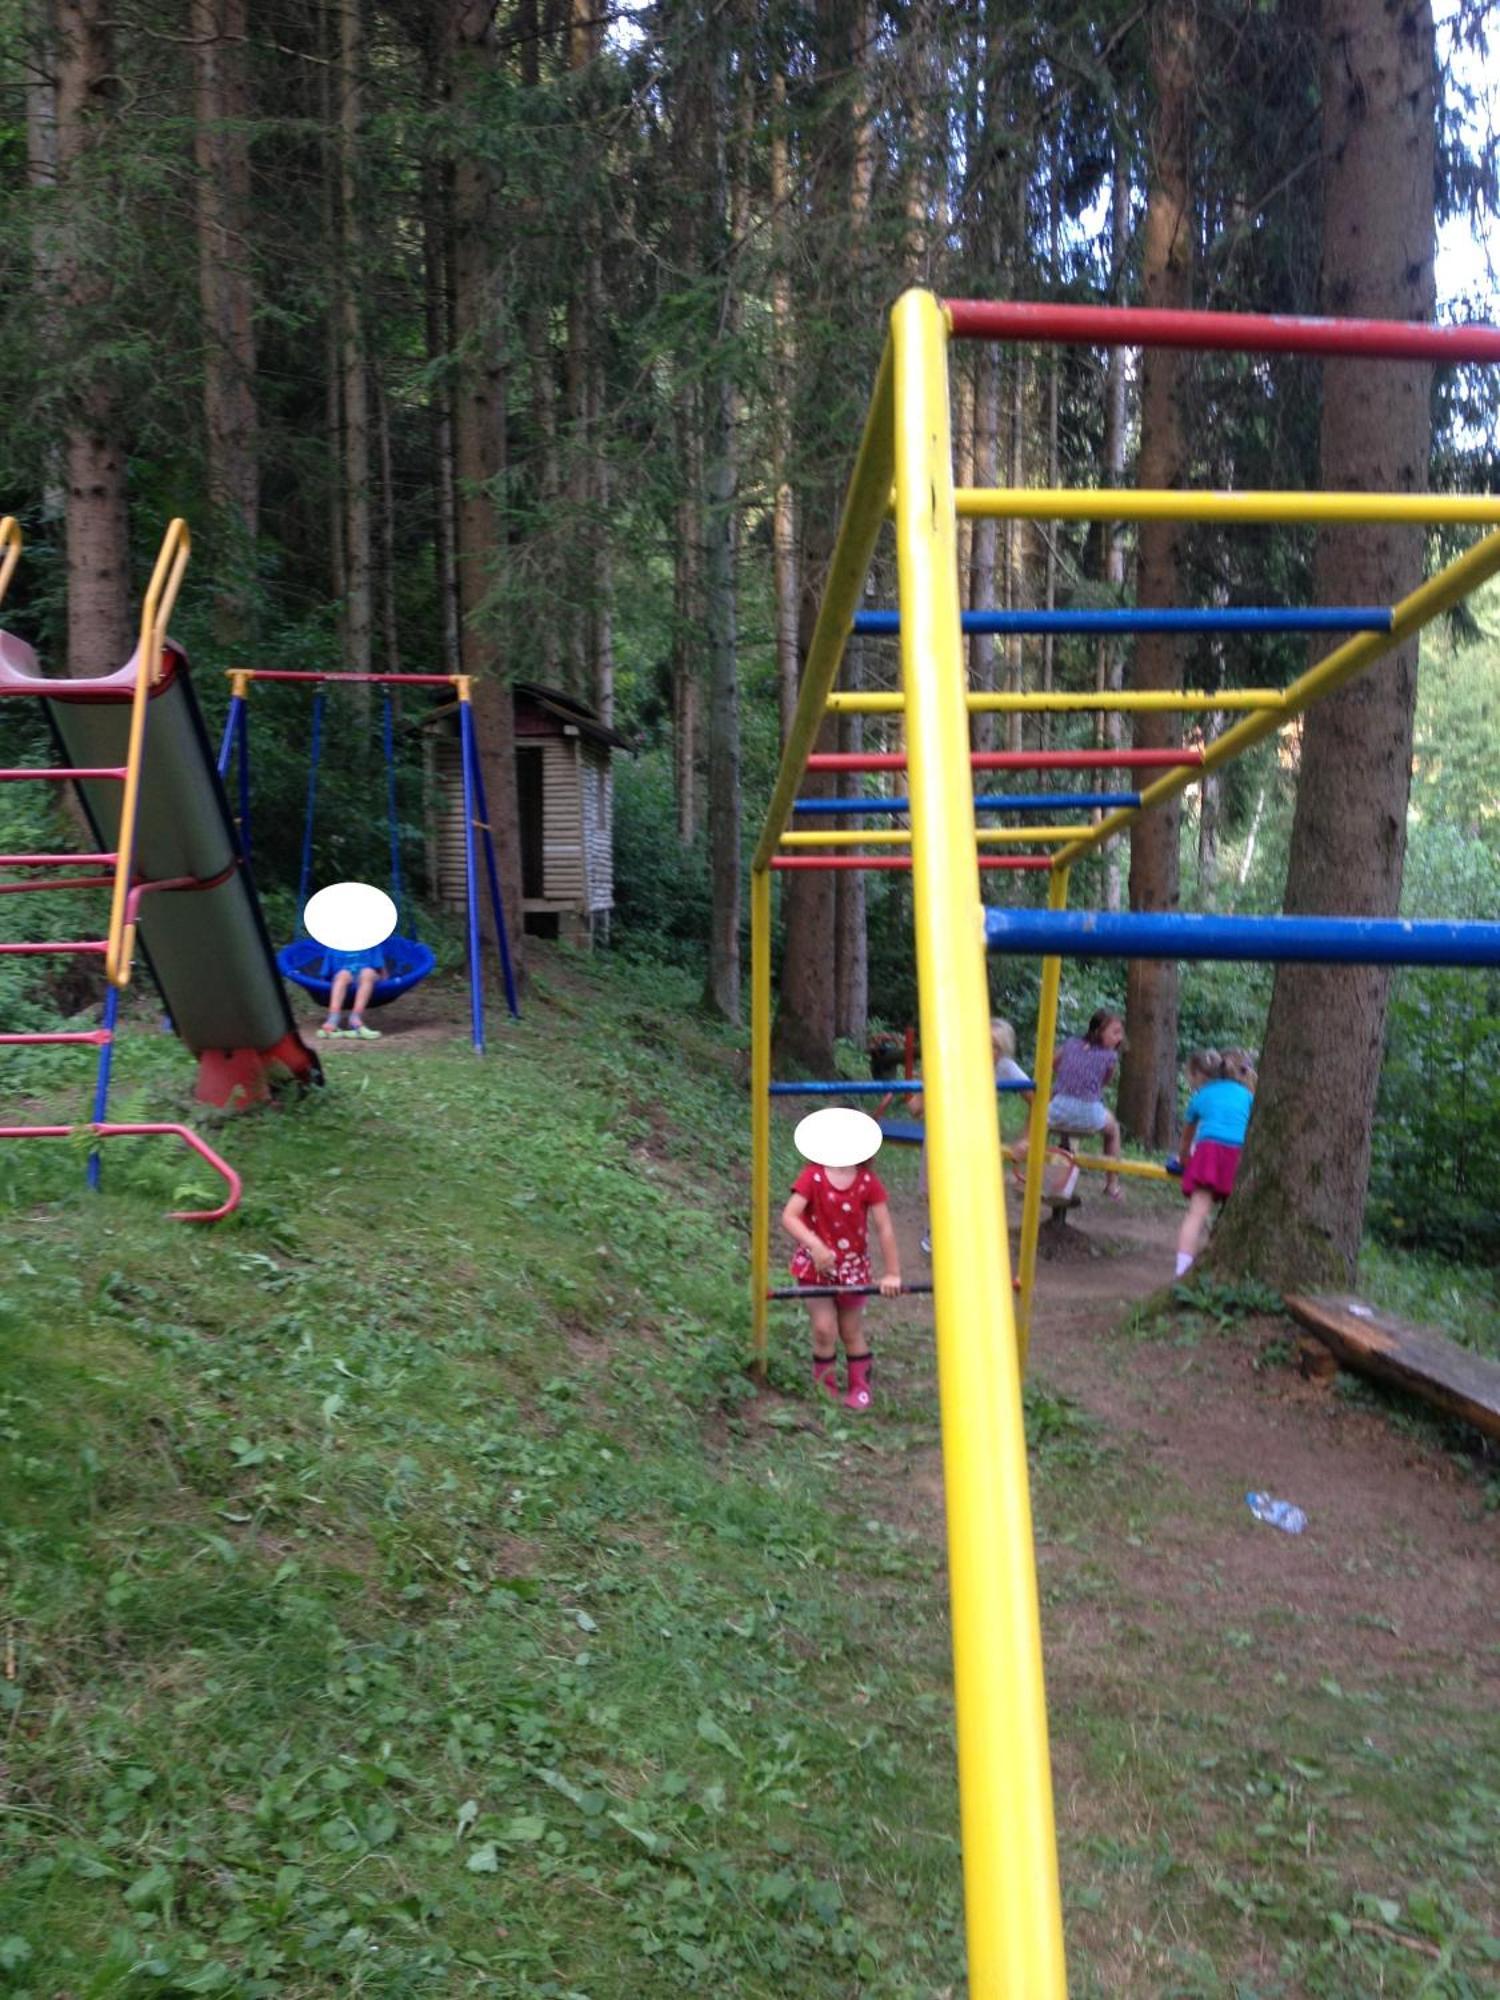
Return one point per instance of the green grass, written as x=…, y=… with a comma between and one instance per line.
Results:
x=408, y=1593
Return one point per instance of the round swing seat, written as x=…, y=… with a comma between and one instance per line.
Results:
x=407, y=962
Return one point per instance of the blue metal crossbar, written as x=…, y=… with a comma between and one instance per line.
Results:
x=1237, y=618
x=987, y=802
x=899, y=1086
x=1245, y=940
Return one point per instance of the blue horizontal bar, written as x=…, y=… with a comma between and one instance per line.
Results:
x=987, y=802
x=1244, y=940
x=899, y=1086
x=1236, y=618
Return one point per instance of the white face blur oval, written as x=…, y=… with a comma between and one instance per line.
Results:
x=836, y=1137
x=350, y=916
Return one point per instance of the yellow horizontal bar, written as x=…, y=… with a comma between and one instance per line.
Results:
x=1132, y=702
x=888, y=836
x=1030, y=503
x=1430, y=600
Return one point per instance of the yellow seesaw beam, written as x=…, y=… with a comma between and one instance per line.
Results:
x=1031, y=503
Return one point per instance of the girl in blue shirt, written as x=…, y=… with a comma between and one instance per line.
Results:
x=1222, y=1091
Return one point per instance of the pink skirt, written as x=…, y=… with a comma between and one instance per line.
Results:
x=1211, y=1165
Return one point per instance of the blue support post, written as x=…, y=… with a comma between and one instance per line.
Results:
x=468, y=763
x=1242, y=618
x=899, y=1086
x=497, y=902
x=102, y=1076
x=1242, y=940
x=987, y=802
x=243, y=733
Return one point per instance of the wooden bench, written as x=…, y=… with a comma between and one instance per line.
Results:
x=1415, y=1358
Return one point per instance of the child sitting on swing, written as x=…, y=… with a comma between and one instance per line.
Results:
x=361, y=970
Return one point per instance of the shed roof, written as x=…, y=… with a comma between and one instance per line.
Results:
x=574, y=714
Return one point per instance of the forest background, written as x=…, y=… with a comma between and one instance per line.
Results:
x=536, y=340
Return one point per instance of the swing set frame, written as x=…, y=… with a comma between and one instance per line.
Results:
x=236, y=739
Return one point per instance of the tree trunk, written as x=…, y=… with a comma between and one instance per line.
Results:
x=99, y=600
x=359, y=595
x=1298, y=1210
x=437, y=311
x=46, y=250
x=721, y=501
x=784, y=511
x=982, y=593
x=389, y=623
x=221, y=150
x=479, y=436
x=687, y=609
x=1111, y=656
x=1148, y=1075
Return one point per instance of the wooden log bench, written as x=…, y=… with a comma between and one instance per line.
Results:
x=1417, y=1359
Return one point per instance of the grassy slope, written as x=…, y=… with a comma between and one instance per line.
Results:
x=407, y=1596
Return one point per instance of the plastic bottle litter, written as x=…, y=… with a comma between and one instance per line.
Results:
x=1279, y=1513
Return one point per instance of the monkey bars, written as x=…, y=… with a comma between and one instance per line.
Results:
x=904, y=470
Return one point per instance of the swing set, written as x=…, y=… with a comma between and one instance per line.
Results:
x=408, y=960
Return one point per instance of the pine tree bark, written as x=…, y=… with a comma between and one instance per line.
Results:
x=479, y=435
x=1147, y=1104
x=784, y=512
x=1298, y=1210
x=359, y=567
x=720, y=521
x=99, y=601
x=226, y=291
x=41, y=173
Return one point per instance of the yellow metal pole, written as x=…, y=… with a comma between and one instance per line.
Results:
x=156, y=609
x=859, y=530
x=1130, y=702
x=1430, y=600
x=1013, y=1910
x=10, y=551
x=1034, y=503
x=1036, y=1158
x=760, y=1108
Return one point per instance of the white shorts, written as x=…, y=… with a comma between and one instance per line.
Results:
x=1076, y=1114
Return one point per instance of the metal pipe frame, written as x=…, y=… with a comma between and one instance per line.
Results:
x=901, y=863
x=1129, y=702
x=1013, y=1908
x=1014, y=760
x=1232, y=618
x=1131, y=503
x=1242, y=940
x=1234, y=333
x=984, y=802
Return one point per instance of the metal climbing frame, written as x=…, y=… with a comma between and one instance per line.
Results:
x=905, y=468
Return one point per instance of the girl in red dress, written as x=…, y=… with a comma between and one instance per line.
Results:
x=834, y=1199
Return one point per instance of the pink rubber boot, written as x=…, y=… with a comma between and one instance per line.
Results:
x=826, y=1374
x=858, y=1395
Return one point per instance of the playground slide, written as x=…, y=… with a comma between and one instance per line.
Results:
x=206, y=945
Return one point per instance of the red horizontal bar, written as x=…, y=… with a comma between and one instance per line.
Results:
x=58, y=860
x=62, y=771
x=66, y=945
x=97, y=1036
x=183, y=1132
x=57, y=882
x=987, y=862
x=1015, y=760
x=398, y=680
x=1235, y=333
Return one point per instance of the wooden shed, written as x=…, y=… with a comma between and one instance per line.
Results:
x=565, y=789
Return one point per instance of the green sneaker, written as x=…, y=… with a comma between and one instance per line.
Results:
x=358, y=1032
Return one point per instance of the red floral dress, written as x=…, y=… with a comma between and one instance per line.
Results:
x=840, y=1218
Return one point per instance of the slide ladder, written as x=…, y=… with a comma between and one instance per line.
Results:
x=103, y=726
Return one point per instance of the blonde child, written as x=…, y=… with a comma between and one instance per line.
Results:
x=1221, y=1096
x=833, y=1200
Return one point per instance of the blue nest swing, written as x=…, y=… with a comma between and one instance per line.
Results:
x=407, y=963
x=407, y=960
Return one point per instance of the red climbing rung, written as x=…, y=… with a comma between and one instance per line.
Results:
x=62, y=772
x=58, y=860
x=96, y=1037
x=61, y=948
x=57, y=882
x=1014, y=760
